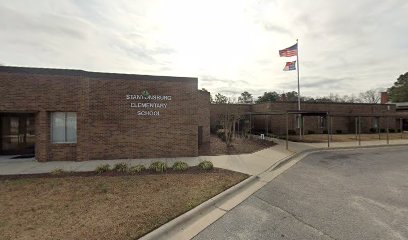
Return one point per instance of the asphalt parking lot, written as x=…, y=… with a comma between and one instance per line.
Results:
x=357, y=194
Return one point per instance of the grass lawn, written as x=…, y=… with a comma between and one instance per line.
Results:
x=103, y=207
x=349, y=137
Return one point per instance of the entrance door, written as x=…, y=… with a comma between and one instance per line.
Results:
x=17, y=133
x=405, y=125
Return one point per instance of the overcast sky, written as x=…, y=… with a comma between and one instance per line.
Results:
x=344, y=47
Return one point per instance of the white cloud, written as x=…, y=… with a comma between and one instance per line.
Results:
x=344, y=48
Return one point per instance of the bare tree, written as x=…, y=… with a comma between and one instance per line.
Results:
x=228, y=121
x=370, y=96
x=351, y=99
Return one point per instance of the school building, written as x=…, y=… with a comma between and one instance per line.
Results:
x=77, y=115
x=60, y=114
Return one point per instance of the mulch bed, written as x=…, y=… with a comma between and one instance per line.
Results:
x=239, y=146
x=111, y=173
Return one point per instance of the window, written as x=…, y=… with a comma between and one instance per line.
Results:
x=63, y=127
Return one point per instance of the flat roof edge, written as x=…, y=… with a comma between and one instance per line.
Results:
x=83, y=73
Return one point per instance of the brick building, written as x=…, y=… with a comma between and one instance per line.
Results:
x=78, y=115
x=372, y=116
x=401, y=109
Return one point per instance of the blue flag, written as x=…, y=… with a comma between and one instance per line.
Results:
x=290, y=66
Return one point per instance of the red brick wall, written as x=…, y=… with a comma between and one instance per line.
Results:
x=277, y=123
x=204, y=114
x=116, y=131
x=384, y=97
x=107, y=127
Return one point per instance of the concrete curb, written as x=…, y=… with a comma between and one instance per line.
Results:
x=163, y=231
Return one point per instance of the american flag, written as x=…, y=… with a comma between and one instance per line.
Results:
x=289, y=52
x=290, y=66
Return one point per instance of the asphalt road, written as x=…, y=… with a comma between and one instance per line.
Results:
x=358, y=194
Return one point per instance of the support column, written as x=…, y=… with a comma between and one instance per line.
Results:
x=328, y=118
x=331, y=128
x=356, y=127
x=388, y=131
x=250, y=124
x=402, y=130
x=359, y=131
x=42, y=136
x=287, y=131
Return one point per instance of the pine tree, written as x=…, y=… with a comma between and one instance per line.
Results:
x=399, y=92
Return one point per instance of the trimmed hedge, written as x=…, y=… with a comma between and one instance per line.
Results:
x=158, y=166
x=180, y=166
x=121, y=167
x=206, y=165
x=102, y=168
x=136, y=169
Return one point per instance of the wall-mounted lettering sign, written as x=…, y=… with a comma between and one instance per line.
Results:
x=145, y=104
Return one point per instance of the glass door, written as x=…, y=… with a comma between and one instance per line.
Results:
x=17, y=134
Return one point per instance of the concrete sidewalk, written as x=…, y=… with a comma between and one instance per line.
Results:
x=31, y=166
x=252, y=164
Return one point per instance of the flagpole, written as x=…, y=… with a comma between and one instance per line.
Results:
x=297, y=62
x=300, y=116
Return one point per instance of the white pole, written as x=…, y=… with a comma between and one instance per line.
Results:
x=300, y=116
x=297, y=62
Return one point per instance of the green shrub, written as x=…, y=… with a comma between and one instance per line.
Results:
x=136, y=169
x=382, y=130
x=121, y=167
x=339, y=131
x=325, y=132
x=102, y=168
x=57, y=171
x=310, y=132
x=180, y=166
x=391, y=130
x=373, y=130
x=398, y=130
x=206, y=165
x=158, y=166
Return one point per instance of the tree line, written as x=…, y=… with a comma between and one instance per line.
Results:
x=370, y=96
x=398, y=93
